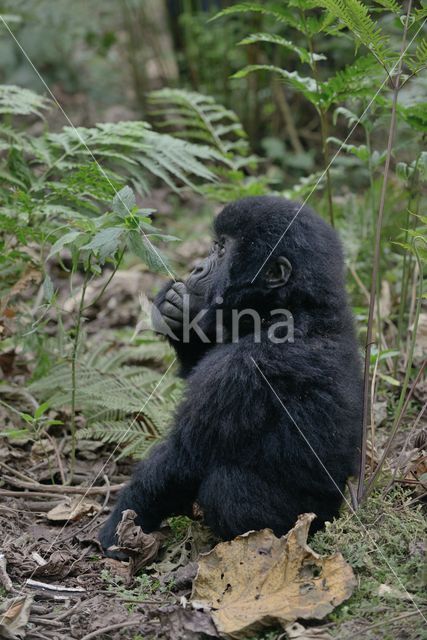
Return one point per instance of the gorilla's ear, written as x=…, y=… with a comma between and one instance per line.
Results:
x=278, y=273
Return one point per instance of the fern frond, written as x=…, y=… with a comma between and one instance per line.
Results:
x=273, y=38
x=21, y=102
x=121, y=402
x=278, y=11
x=354, y=14
x=390, y=5
x=355, y=80
x=199, y=117
x=304, y=84
x=419, y=60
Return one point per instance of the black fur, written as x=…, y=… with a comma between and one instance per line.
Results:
x=233, y=447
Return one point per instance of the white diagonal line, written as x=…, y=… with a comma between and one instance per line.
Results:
x=36, y=71
x=339, y=150
x=341, y=493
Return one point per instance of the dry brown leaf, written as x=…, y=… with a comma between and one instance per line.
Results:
x=185, y=624
x=258, y=579
x=58, y=565
x=14, y=615
x=385, y=591
x=5, y=581
x=142, y=548
x=297, y=631
x=73, y=509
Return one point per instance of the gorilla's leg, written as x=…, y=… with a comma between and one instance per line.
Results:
x=159, y=488
x=235, y=500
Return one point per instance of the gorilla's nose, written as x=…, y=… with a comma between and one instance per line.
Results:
x=198, y=269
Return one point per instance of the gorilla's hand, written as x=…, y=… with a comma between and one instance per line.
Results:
x=108, y=538
x=167, y=314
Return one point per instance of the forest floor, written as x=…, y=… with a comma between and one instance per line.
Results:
x=54, y=581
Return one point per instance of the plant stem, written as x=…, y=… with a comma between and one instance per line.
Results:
x=323, y=124
x=402, y=404
x=407, y=258
x=376, y=261
x=325, y=151
x=74, y=373
x=113, y=273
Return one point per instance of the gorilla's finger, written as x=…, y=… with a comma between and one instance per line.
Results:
x=175, y=325
x=174, y=298
x=180, y=288
x=171, y=311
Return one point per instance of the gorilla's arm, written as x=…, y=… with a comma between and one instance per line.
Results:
x=161, y=486
x=168, y=318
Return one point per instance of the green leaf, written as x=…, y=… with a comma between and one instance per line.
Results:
x=355, y=15
x=419, y=60
x=389, y=379
x=360, y=151
x=27, y=418
x=68, y=238
x=306, y=85
x=14, y=433
x=123, y=202
x=18, y=101
x=277, y=11
x=105, y=242
x=41, y=409
x=390, y=5
x=273, y=38
x=48, y=289
x=415, y=115
x=144, y=249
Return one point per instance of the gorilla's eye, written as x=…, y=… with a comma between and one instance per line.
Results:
x=219, y=247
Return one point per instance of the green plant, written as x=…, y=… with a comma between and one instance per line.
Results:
x=123, y=404
x=192, y=116
x=143, y=587
x=56, y=195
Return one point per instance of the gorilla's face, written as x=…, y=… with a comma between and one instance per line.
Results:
x=210, y=276
x=214, y=278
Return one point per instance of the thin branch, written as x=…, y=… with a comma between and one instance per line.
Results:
x=376, y=261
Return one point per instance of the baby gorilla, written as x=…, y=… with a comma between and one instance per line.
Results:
x=270, y=424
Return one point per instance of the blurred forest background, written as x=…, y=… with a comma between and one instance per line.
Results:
x=132, y=119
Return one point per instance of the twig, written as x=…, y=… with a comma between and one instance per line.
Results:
x=111, y=627
x=95, y=300
x=57, y=456
x=46, y=621
x=107, y=494
x=5, y=581
x=380, y=624
x=60, y=488
x=68, y=612
x=36, y=584
x=376, y=261
x=8, y=493
x=74, y=373
x=405, y=444
x=15, y=472
x=395, y=427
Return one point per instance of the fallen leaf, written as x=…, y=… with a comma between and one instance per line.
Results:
x=142, y=548
x=385, y=591
x=185, y=624
x=298, y=632
x=5, y=581
x=73, y=509
x=259, y=579
x=14, y=615
x=58, y=565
